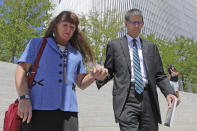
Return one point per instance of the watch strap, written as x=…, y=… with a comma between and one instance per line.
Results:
x=23, y=97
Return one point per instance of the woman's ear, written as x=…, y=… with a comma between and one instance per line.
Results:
x=54, y=32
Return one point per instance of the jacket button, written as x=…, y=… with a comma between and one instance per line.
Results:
x=59, y=80
x=60, y=65
x=60, y=72
x=61, y=56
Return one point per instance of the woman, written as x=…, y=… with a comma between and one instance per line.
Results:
x=51, y=103
x=173, y=76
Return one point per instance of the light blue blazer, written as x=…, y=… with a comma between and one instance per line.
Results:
x=49, y=91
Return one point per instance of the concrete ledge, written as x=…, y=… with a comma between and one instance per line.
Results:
x=95, y=106
x=99, y=128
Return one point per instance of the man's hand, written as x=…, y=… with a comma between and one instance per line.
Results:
x=99, y=72
x=25, y=110
x=170, y=98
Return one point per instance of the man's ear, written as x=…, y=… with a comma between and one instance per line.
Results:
x=142, y=23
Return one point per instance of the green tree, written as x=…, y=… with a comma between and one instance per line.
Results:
x=186, y=61
x=20, y=20
x=100, y=28
x=181, y=53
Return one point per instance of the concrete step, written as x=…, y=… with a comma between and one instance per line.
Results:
x=95, y=106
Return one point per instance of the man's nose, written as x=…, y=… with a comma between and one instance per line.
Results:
x=136, y=24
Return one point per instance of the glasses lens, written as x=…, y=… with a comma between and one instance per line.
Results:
x=136, y=22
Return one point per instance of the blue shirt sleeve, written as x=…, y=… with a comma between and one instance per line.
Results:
x=30, y=52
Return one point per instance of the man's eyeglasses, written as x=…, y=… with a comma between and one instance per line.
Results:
x=134, y=23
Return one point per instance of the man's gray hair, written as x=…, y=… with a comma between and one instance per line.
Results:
x=133, y=12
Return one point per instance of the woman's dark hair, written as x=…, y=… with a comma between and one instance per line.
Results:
x=78, y=40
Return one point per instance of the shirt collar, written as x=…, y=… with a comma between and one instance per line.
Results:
x=130, y=40
x=53, y=44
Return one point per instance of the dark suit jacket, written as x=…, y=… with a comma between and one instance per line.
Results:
x=118, y=64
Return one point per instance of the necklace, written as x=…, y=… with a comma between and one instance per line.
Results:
x=64, y=52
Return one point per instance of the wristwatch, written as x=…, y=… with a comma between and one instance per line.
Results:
x=23, y=97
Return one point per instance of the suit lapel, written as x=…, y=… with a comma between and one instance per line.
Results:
x=144, y=47
x=125, y=48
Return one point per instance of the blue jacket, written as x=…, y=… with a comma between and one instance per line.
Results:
x=50, y=92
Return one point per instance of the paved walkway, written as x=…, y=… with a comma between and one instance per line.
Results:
x=95, y=106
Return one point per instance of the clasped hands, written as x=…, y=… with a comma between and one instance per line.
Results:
x=99, y=72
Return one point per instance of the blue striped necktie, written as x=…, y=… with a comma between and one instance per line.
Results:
x=139, y=84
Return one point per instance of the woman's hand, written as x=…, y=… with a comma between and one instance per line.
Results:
x=25, y=110
x=99, y=72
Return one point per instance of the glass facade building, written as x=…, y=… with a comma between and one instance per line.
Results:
x=164, y=18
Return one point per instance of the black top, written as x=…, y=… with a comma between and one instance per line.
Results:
x=173, y=78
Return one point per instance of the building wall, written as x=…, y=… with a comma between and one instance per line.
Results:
x=165, y=18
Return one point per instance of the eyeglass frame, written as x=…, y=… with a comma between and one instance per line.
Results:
x=139, y=23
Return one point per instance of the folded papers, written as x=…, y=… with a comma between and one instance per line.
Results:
x=170, y=114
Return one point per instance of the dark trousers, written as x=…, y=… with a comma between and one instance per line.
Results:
x=137, y=114
x=55, y=120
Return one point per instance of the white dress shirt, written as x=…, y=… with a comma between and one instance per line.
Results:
x=142, y=65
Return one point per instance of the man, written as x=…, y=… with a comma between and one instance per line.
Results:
x=173, y=76
x=137, y=68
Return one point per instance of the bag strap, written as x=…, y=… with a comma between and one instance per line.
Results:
x=33, y=73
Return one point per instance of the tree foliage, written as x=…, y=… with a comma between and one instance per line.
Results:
x=186, y=58
x=182, y=53
x=100, y=28
x=20, y=20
